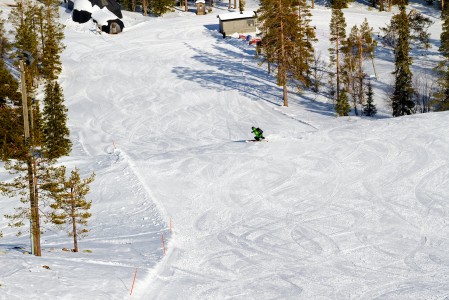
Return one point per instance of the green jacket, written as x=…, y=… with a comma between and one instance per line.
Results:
x=258, y=132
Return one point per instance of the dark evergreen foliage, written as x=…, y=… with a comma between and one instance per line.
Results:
x=369, y=109
x=160, y=7
x=55, y=131
x=5, y=45
x=342, y=107
x=418, y=26
x=402, y=99
x=287, y=39
x=444, y=37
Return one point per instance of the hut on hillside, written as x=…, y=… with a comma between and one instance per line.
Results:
x=241, y=22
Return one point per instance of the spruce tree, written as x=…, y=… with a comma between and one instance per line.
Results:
x=337, y=38
x=55, y=132
x=70, y=205
x=402, y=102
x=342, y=108
x=52, y=34
x=369, y=109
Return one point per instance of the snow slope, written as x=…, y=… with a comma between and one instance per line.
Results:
x=329, y=208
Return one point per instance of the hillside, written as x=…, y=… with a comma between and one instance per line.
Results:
x=328, y=208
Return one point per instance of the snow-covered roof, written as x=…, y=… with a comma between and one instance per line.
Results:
x=82, y=5
x=236, y=15
x=200, y=1
x=103, y=15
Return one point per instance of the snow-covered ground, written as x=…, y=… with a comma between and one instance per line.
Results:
x=329, y=208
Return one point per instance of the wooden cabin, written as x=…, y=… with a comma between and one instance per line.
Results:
x=241, y=22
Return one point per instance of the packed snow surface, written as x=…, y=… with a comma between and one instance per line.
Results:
x=328, y=208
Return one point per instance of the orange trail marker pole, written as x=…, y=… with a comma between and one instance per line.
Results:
x=135, y=274
x=171, y=231
x=163, y=243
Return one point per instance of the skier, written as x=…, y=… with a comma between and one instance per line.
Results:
x=258, y=133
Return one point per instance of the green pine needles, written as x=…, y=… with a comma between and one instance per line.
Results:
x=55, y=131
x=342, y=108
x=402, y=102
x=70, y=206
x=369, y=109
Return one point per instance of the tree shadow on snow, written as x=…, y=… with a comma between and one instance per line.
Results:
x=22, y=248
x=236, y=68
x=212, y=27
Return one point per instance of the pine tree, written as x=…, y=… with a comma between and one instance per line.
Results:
x=32, y=195
x=11, y=133
x=418, y=25
x=402, y=102
x=305, y=51
x=442, y=95
x=285, y=40
x=369, y=109
x=160, y=7
x=52, y=34
x=22, y=18
x=358, y=47
x=350, y=67
x=444, y=36
x=55, y=132
x=8, y=86
x=70, y=205
x=339, y=4
x=342, y=107
x=5, y=45
x=337, y=38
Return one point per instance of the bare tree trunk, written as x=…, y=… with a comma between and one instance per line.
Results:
x=313, y=4
x=282, y=71
x=229, y=5
x=75, y=237
x=35, y=230
x=34, y=212
x=360, y=50
x=145, y=7
x=235, y=4
x=337, y=56
x=37, y=226
x=186, y=8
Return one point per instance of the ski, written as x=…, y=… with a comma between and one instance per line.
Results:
x=264, y=140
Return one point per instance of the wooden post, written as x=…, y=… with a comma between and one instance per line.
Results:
x=134, y=280
x=163, y=243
